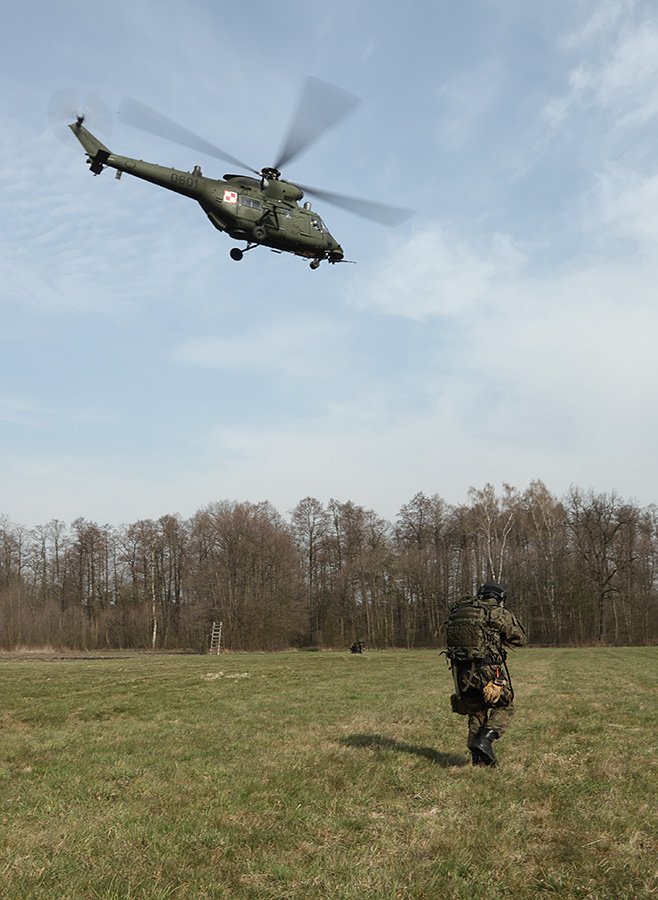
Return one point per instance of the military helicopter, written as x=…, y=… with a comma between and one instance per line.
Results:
x=262, y=209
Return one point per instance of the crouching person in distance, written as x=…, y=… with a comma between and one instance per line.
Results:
x=478, y=631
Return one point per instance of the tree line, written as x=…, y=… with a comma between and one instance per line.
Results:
x=581, y=569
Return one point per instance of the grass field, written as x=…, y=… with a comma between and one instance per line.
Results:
x=321, y=775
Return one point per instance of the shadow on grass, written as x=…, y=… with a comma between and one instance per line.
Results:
x=379, y=742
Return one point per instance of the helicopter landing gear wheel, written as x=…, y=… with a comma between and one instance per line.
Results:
x=259, y=233
x=236, y=254
x=315, y=264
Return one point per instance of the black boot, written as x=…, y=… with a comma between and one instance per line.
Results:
x=483, y=740
x=476, y=757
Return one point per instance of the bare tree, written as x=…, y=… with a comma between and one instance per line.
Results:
x=427, y=547
x=310, y=526
x=597, y=523
x=250, y=574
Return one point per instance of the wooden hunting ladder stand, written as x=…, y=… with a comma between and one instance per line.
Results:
x=216, y=638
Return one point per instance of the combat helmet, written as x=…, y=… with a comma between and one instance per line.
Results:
x=492, y=591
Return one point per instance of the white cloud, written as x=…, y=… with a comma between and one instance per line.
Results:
x=466, y=100
x=580, y=351
x=558, y=371
x=628, y=82
x=629, y=203
x=432, y=275
x=619, y=79
x=19, y=412
x=29, y=414
x=305, y=346
x=606, y=16
x=66, y=486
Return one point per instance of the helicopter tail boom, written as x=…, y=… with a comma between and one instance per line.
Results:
x=97, y=152
x=91, y=143
x=190, y=184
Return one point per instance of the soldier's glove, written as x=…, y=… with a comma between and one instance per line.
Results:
x=493, y=691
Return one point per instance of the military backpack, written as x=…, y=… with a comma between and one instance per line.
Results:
x=469, y=635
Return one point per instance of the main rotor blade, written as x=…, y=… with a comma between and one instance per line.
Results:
x=138, y=115
x=321, y=106
x=377, y=212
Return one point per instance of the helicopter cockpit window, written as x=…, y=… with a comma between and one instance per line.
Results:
x=250, y=202
x=317, y=223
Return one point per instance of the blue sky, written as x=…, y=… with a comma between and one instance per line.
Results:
x=505, y=333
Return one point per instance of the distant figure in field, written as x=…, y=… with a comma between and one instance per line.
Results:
x=478, y=631
x=357, y=647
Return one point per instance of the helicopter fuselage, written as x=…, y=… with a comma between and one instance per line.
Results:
x=261, y=211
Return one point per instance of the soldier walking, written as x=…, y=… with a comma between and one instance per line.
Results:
x=478, y=631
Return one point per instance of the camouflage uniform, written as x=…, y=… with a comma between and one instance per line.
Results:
x=505, y=631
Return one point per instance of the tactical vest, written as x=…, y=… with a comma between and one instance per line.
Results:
x=469, y=635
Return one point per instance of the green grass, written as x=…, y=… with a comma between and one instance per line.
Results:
x=321, y=775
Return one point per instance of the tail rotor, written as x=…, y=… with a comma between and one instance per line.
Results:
x=72, y=104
